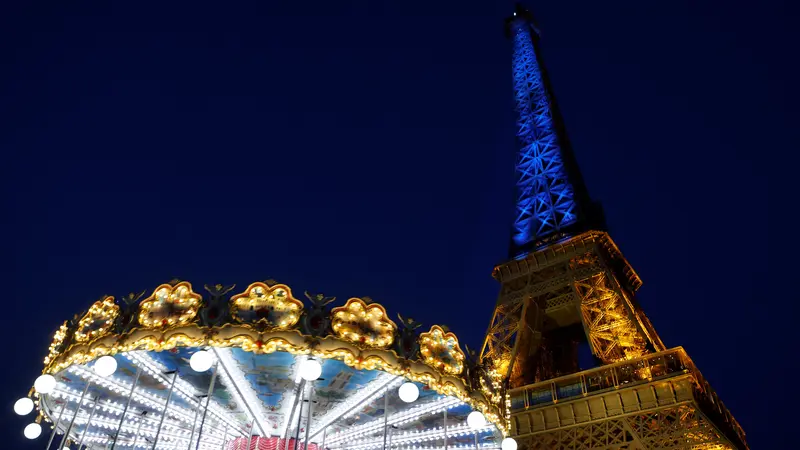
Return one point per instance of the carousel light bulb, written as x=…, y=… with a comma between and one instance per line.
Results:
x=105, y=366
x=45, y=384
x=201, y=361
x=508, y=444
x=310, y=369
x=476, y=420
x=23, y=406
x=32, y=430
x=408, y=392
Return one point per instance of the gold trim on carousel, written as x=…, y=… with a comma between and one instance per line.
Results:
x=105, y=311
x=277, y=299
x=58, y=339
x=363, y=324
x=180, y=297
x=430, y=350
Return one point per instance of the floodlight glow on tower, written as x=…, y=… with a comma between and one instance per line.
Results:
x=546, y=200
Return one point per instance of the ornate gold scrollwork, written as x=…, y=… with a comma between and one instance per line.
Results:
x=440, y=350
x=169, y=306
x=363, y=324
x=98, y=321
x=272, y=306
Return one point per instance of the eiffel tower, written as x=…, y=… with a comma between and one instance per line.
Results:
x=566, y=286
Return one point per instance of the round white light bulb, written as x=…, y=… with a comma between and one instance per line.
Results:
x=201, y=361
x=476, y=420
x=508, y=444
x=408, y=392
x=45, y=384
x=23, y=406
x=32, y=430
x=310, y=369
x=105, y=366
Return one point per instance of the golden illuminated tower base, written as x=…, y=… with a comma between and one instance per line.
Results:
x=580, y=290
x=659, y=401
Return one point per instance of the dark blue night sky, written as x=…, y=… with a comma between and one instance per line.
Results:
x=367, y=149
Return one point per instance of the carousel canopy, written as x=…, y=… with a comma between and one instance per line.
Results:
x=181, y=370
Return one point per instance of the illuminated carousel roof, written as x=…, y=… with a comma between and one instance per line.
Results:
x=230, y=369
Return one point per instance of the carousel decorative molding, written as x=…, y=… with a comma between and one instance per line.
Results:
x=262, y=323
x=267, y=307
x=363, y=324
x=217, y=311
x=98, y=321
x=56, y=346
x=170, y=305
x=440, y=350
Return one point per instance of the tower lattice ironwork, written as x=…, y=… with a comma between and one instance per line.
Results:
x=545, y=201
x=566, y=284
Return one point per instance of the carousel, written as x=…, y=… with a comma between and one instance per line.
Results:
x=259, y=369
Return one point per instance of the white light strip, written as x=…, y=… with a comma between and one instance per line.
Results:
x=140, y=396
x=168, y=444
x=438, y=405
x=492, y=446
x=235, y=381
x=132, y=426
x=183, y=388
x=353, y=405
x=416, y=437
x=286, y=410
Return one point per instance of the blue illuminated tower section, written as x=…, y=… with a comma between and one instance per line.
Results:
x=551, y=201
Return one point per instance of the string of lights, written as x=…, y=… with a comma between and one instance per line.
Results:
x=140, y=396
x=132, y=426
x=416, y=437
x=402, y=417
x=381, y=384
x=184, y=390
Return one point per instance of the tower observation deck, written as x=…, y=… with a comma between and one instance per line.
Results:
x=566, y=286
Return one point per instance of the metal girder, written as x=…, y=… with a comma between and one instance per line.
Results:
x=545, y=198
x=501, y=340
x=613, y=333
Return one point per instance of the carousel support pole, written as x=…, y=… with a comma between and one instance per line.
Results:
x=324, y=434
x=445, y=429
x=300, y=414
x=77, y=410
x=208, y=401
x=55, y=426
x=166, y=406
x=391, y=434
x=385, y=417
x=88, y=422
x=476, y=439
x=308, y=418
x=138, y=429
x=194, y=427
x=224, y=436
x=250, y=437
x=127, y=405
